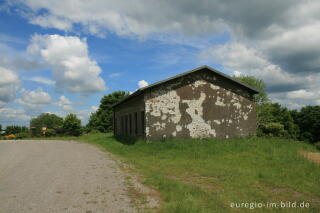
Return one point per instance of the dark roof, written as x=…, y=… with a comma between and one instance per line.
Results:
x=141, y=90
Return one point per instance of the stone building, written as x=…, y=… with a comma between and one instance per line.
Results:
x=201, y=103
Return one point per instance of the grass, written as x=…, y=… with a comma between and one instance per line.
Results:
x=205, y=176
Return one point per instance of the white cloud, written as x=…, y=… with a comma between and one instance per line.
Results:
x=12, y=116
x=41, y=80
x=141, y=19
x=73, y=70
x=237, y=73
x=302, y=94
x=9, y=84
x=142, y=83
x=249, y=61
x=34, y=99
x=65, y=104
x=51, y=21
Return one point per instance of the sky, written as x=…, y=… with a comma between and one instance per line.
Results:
x=63, y=56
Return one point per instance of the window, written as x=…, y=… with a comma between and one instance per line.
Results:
x=136, y=123
x=126, y=125
x=142, y=123
x=130, y=124
x=122, y=125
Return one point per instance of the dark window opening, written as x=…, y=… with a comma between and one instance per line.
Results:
x=126, y=125
x=142, y=122
x=130, y=124
x=122, y=125
x=136, y=123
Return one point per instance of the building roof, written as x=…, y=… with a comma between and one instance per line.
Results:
x=205, y=67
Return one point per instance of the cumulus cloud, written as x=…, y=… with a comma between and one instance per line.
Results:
x=73, y=70
x=239, y=58
x=274, y=40
x=12, y=116
x=142, y=83
x=34, y=99
x=9, y=84
x=65, y=104
x=51, y=21
x=41, y=80
x=17, y=60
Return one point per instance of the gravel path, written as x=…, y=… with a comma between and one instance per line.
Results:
x=60, y=176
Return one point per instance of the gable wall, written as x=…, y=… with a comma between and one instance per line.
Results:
x=199, y=105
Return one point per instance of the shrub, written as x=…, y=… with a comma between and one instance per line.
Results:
x=72, y=125
x=51, y=133
x=274, y=129
x=22, y=135
x=317, y=145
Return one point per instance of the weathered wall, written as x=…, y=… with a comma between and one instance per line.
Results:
x=130, y=107
x=199, y=105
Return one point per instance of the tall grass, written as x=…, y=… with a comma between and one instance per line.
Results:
x=207, y=175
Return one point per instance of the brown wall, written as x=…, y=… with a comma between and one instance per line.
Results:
x=199, y=105
x=122, y=114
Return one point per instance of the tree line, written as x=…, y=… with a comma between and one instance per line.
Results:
x=46, y=125
x=278, y=121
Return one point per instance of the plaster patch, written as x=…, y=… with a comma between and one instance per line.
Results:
x=219, y=102
x=215, y=87
x=217, y=122
x=237, y=105
x=199, y=83
x=198, y=128
x=178, y=128
x=165, y=102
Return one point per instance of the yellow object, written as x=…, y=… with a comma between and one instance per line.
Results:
x=9, y=137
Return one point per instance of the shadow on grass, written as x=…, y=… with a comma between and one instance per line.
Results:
x=126, y=139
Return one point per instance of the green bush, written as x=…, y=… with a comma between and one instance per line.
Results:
x=274, y=129
x=317, y=145
x=51, y=133
x=22, y=135
x=72, y=125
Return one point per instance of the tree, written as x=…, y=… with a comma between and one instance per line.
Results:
x=72, y=125
x=262, y=97
x=102, y=119
x=16, y=130
x=308, y=120
x=48, y=120
x=93, y=123
x=273, y=120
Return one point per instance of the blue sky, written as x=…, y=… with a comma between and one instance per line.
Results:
x=63, y=56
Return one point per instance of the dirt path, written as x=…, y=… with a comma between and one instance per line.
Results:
x=60, y=176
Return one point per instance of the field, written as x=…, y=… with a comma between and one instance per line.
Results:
x=211, y=175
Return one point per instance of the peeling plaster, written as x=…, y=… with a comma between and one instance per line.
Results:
x=178, y=128
x=220, y=102
x=198, y=127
